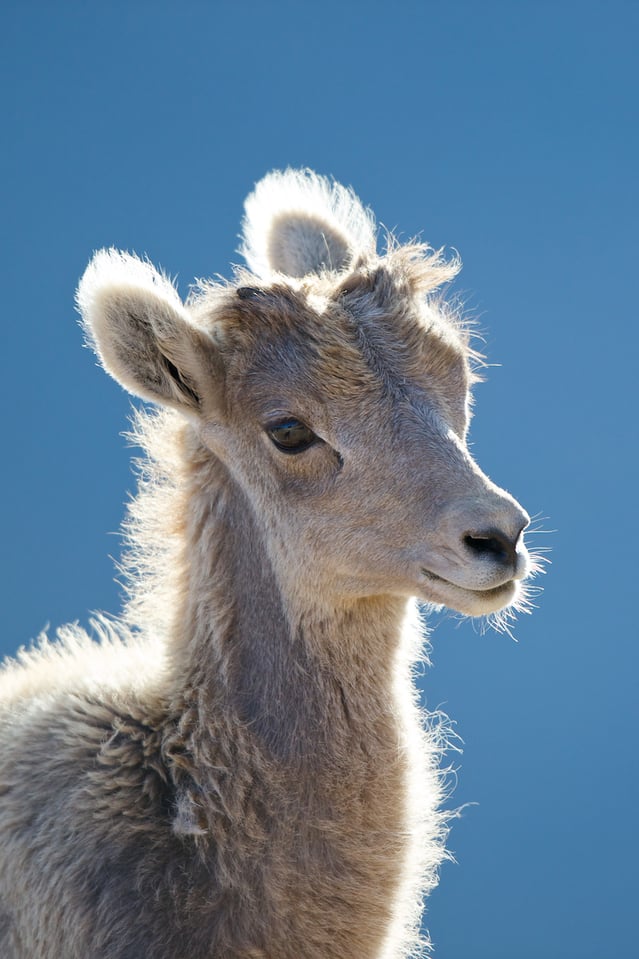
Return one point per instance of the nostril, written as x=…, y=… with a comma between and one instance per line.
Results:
x=492, y=544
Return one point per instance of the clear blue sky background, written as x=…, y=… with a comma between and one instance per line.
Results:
x=506, y=130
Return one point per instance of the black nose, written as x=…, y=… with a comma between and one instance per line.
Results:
x=493, y=544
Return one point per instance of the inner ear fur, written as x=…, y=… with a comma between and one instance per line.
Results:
x=297, y=223
x=141, y=332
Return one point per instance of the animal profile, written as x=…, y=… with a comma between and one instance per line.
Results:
x=238, y=768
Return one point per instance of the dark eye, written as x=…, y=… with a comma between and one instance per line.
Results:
x=291, y=436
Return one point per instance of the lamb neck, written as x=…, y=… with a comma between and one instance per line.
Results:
x=304, y=681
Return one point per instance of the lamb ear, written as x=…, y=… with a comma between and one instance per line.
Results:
x=297, y=223
x=137, y=325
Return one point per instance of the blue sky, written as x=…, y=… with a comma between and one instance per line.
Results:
x=505, y=130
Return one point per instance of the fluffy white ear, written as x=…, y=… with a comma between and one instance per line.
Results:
x=135, y=321
x=297, y=222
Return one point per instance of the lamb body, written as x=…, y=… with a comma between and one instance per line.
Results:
x=239, y=769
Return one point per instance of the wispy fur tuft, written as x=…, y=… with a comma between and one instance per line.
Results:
x=154, y=565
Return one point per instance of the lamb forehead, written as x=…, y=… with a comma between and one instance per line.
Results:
x=298, y=343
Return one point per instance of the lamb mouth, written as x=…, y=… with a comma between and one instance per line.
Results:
x=487, y=593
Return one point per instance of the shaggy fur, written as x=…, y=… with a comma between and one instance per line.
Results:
x=238, y=768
